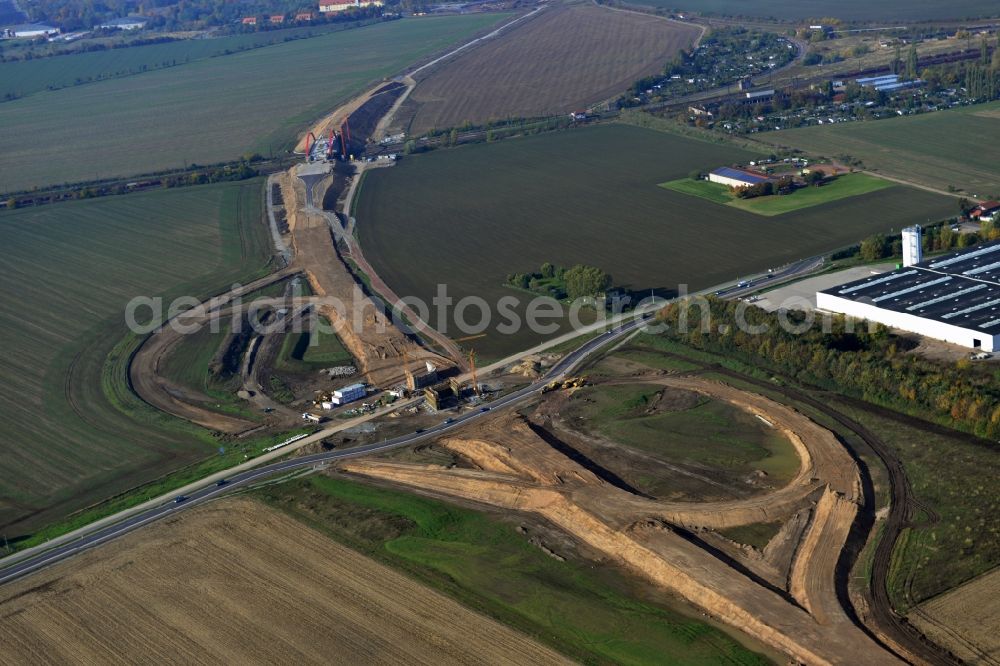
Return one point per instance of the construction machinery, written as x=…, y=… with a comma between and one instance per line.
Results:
x=345, y=137
x=568, y=383
x=310, y=142
x=330, y=143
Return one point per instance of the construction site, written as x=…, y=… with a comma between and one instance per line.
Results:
x=747, y=505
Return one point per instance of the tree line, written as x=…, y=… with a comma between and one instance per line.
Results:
x=869, y=364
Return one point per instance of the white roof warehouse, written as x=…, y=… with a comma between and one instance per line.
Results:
x=954, y=297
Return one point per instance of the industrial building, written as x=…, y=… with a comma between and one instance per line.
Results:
x=887, y=83
x=127, y=23
x=737, y=177
x=28, y=31
x=955, y=297
x=331, y=7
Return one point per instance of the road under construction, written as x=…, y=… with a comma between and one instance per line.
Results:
x=800, y=605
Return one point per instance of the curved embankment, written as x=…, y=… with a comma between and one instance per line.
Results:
x=517, y=470
x=154, y=389
x=815, y=564
x=823, y=463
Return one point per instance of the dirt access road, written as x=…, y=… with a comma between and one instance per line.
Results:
x=903, y=510
x=238, y=582
x=157, y=391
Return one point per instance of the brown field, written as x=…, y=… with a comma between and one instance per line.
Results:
x=237, y=582
x=965, y=620
x=560, y=61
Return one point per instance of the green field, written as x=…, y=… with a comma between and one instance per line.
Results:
x=210, y=110
x=25, y=77
x=934, y=149
x=477, y=213
x=892, y=11
x=683, y=428
x=590, y=613
x=960, y=481
x=309, y=351
x=848, y=185
x=73, y=431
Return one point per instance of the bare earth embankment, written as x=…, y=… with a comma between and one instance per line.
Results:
x=566, y=58
x=513, y=468
x=237, y=582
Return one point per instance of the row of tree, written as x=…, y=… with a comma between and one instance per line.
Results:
x=867, y=364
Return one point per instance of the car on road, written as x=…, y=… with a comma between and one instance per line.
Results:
x=484, y=409
x=179, y=499
x=418, y=431
x=449, y=420
x=221, y=482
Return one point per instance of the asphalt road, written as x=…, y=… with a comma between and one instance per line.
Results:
x=783, y=274
x=243, y=479
x=102, y=535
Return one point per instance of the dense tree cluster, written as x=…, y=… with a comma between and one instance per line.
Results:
x=580, y=281
x=871, y=365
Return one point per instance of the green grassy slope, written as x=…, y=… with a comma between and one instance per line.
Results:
x=589, y=613
x=848, y=185
x=25, y=77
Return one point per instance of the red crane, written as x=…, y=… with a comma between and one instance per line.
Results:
x=329, y=144
x=346, y=136
x=309, y=145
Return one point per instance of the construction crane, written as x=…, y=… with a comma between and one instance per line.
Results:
x=309, y=145
x=472, y=367
x=329, y=144
x=345, y=136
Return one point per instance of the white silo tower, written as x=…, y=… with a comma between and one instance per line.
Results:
x=912, y=250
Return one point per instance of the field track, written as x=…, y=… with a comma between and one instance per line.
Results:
x=560, y=61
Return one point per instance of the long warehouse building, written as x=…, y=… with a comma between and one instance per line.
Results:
x=954, y=297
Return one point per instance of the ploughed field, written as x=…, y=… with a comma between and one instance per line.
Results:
x=891, y=11
x=933, y=149
x=470, y=216
x=73, y=431
x=19, y=78
x=555, y=63
x=210, y=110
x=238, y=582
